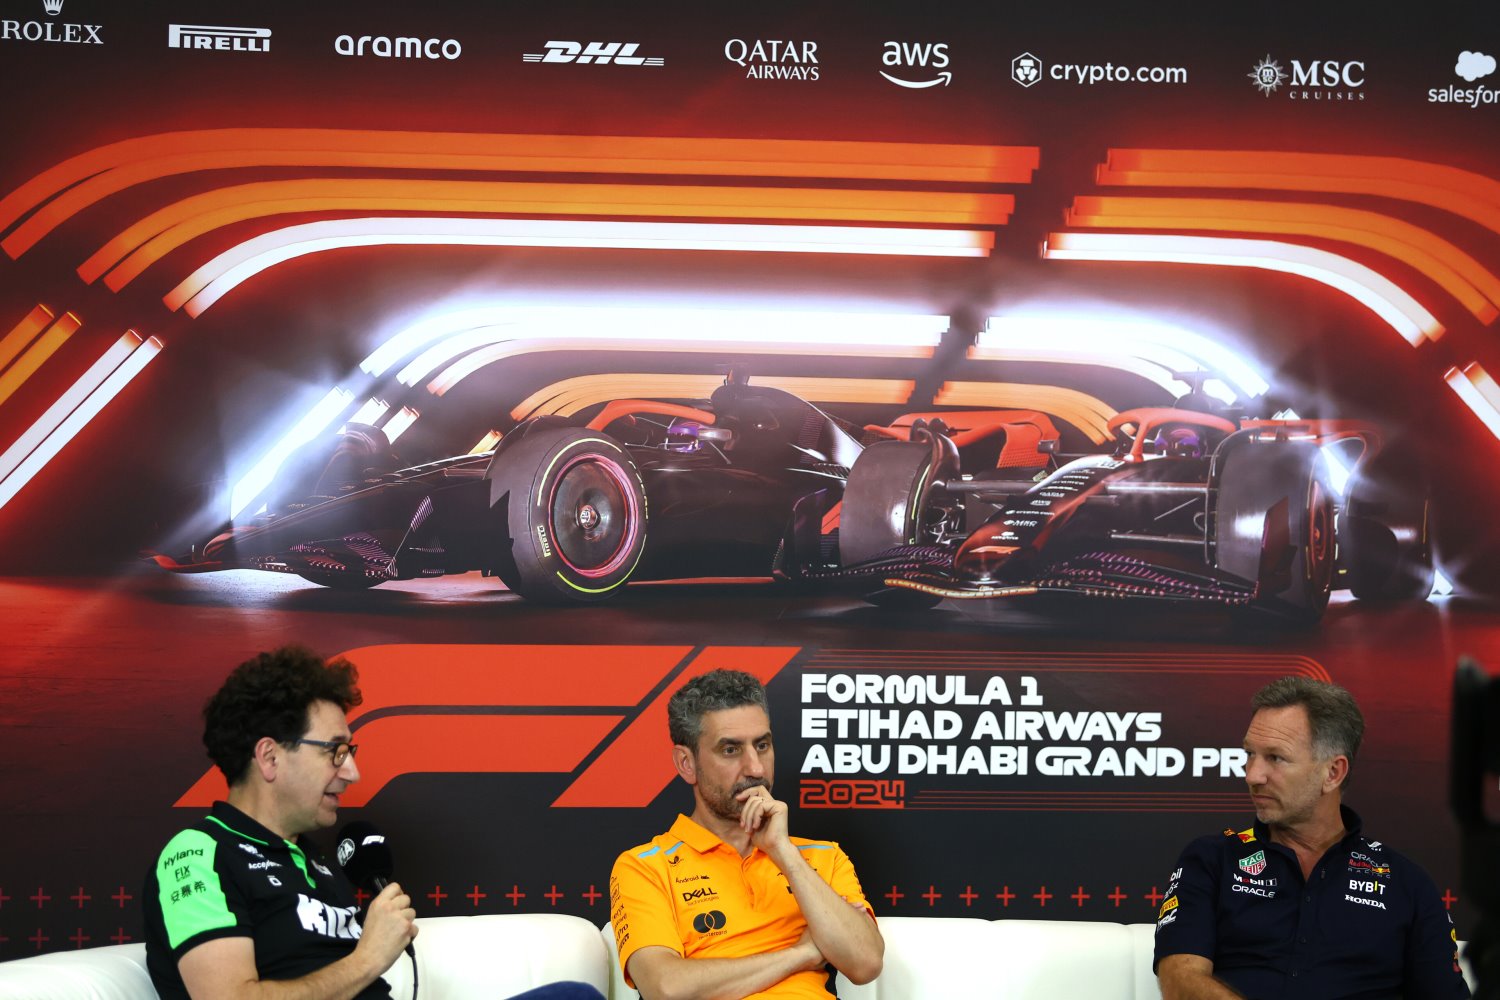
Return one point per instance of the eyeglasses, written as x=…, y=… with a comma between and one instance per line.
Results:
x=341, y=751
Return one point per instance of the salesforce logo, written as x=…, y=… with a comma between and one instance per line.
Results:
x=1472, y=67
x=398, y=48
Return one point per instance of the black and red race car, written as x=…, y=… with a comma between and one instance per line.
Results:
x=1187, y=506
x=755, y=482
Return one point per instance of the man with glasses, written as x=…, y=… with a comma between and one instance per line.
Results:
x=236, y=901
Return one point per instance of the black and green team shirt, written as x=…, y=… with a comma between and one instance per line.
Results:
x=228, y=876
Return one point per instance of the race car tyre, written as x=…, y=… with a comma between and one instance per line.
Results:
x=883, y=505
x=1274, y=526
x=1387, y=548
x=570, y=516
x=341, y=581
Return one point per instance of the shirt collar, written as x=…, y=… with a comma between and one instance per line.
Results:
x=696, y=837
x=241, y=824
x=1353, y=826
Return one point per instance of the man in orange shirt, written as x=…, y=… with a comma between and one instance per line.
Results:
x=726, y=904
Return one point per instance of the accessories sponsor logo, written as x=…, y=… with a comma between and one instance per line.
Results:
x=1028, y=70
x=1472, y=66
x=1254, y=864
x=218, y=37
x=909, y=56
x=403, y=47
x=773, y=59
x=66, y=32
x=598, y=53
x=709, y=920
x=1311, y=80
x=704, y=893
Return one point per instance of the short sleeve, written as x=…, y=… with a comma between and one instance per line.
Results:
x=1185, y=922
x=843, y=880
x=1431, y=968
x=196, y=904
x=641, y=910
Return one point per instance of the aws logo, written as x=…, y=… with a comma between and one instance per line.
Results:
x=594, y=713
x=709, y=921
x=917, y=56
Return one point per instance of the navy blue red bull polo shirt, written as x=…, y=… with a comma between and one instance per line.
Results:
x=1367, y=924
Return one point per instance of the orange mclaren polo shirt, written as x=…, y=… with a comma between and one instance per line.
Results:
x=689, y=891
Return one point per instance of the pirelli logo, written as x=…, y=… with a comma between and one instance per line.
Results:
x=598, y=713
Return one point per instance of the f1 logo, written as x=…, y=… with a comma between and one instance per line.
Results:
x=597, y=712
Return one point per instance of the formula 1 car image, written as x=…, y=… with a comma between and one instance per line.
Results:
x=755, y=482
x=560, y=513
x=1188, y=506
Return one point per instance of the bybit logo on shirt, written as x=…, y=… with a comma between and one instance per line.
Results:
x=66, y=32
x=219, y=38
x=597, y=53
x=917, y=59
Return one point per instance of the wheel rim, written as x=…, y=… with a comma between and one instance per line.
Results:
x=593, y=516
x=1320, y=538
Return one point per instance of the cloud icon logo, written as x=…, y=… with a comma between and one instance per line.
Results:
x=1473, y=65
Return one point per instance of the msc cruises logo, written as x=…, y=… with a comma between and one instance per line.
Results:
x=1313, y=80
x=598, y=53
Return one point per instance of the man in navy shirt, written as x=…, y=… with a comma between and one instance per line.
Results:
x=1303, y=904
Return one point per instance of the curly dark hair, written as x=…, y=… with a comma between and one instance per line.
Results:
x=712, y=692
x=269, y=695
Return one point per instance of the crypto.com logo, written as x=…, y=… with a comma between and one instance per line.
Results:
x=598, y=53
x=598, y=713
x=1026, y=69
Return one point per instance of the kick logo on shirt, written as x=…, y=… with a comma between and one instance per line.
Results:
x=1254, y=864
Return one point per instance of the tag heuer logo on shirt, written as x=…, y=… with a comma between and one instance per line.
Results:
x=1254, y=864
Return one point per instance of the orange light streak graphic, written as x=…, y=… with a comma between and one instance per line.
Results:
x=85, y=411
x=1456, y=272
x=486, y=443
x=36, y=355
x=1375, y=292
x=1471, y=195
x=85, y=179
x=213, y=280
x=399, y=422
x=68, y=402
x=1479, y=393
x=569, y=396
x=150, y=239
x=23, y=332
x=1087, y=413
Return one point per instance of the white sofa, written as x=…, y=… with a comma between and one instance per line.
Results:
x=496, y=956
x=458, y=958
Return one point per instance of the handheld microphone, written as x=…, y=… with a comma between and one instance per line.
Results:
x=366, y=859
x=365, y=856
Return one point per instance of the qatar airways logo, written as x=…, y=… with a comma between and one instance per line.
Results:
x=66, y=32
x=219, y=38
x=386, y=47
x=773, y=59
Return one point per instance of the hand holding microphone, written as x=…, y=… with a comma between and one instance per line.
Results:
x=390, y=922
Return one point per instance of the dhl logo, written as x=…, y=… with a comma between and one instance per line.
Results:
x=596, y=712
